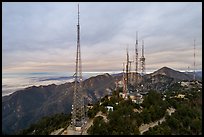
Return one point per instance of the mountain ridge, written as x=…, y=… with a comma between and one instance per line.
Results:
x=26, y=106
x=172, y=73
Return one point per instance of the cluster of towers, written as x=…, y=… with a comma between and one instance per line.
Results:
x=130, y=79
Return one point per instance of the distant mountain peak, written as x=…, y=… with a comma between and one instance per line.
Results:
x=171, y=73
x=165, y=69
x=107, y=74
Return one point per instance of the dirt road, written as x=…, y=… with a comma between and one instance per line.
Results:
x=145, y=127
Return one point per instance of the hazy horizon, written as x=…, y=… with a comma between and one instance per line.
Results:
x=12, y=82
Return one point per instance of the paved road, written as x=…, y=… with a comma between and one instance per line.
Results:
x=90, y=122
x=101, y=114
x=145, y=127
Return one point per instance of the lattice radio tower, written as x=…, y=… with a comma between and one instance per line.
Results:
x=130, y=71
x=194, y=62
x=127, y=70
x=78, y=110
x=124, y=81
x=136, y=59
x=142, y=59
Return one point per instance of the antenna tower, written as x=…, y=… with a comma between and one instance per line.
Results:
x=194, y=62
x=78, y=109
x=127, y=71
x=131, y=73
x=136, y=59
x=142, y=59
x=124, y=81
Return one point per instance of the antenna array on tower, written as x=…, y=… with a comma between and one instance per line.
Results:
x=78, y=110
x=136, y=59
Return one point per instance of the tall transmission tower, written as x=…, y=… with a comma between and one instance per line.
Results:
x=194, y=62
x=78, y=110
x=142, y=59
x=131, y=73
x=136, y=59
x=124, y=81
x=125, y=76
x=127, y=70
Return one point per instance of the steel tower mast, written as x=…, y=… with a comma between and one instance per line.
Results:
x=136, y=59
x=78, y=111
x=194, y=62
x=124, y=81
x=142, y=59
x=127, y=72
x=131, y=73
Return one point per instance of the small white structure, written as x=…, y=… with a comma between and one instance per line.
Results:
x=89, y=106
x=78, y=128
x=109, y=108
x=180, y=96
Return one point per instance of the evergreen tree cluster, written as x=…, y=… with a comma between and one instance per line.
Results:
x=124, y=120
x=187, y=119
x=47, y=124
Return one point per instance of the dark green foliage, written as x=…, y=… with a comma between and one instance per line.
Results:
x=123, y=121
x=154, y=107
x=99, y=128
x=187, y=119
x=103, y=109
x=120, y=120
x=173, y=123
x=159, y=130
x=196, y=126
x=47, y=124
x=146, y=116
x=92, y=112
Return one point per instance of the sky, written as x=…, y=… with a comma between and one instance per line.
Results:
x=41, y=37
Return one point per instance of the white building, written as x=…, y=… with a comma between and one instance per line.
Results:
x=110, y=108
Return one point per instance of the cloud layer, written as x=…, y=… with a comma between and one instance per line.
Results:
x=41, y=37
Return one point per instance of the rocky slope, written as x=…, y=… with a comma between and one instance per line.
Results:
x=161, y=79
x=172, y=74
x=24, y=107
